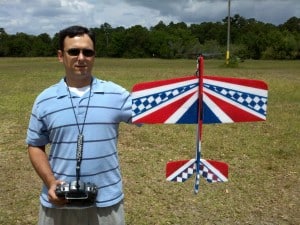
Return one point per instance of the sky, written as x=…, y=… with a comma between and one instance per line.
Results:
x=50, y=16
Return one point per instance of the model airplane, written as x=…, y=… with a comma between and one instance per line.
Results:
x=199, y=100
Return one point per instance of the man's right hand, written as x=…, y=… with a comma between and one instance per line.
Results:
x=53, y=197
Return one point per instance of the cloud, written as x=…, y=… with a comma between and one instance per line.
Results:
x=50, y=16
x=276, y=12
x=193, y=11
x=38, y=16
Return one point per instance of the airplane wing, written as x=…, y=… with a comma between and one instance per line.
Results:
x=230, y=100
x=175, y=101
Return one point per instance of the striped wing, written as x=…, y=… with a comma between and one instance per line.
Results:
x=230, y=100
x=225, y=100
x=167, y=101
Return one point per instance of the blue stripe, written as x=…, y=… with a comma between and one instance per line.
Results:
x=86, y=175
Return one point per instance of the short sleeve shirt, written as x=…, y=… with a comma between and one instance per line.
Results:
x=53, y=121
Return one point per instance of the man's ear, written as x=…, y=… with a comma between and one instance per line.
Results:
x=60, y=55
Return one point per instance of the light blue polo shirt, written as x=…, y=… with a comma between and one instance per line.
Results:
x=53, y=122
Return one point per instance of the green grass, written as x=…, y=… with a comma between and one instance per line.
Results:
x=264, y=179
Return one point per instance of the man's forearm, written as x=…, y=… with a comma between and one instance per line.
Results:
x=39, y=160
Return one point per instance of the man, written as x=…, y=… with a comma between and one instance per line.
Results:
x=79, y=107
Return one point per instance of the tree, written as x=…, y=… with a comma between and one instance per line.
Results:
x=4, y=50
x=159, y=27
x=137, y=42
x=158, y=43
x=102, y=39
x=249, y=39
x=292, y=25
x=209, y=31
x=20, y=45
x=117, y=45
x=42, y=46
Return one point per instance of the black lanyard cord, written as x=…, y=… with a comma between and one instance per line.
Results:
x=80, y=137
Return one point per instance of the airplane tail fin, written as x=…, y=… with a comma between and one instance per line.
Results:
x=212, y=171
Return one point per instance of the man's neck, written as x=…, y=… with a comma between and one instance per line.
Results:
x=78, y=83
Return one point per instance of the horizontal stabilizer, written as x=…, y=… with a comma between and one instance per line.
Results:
x=211, y=170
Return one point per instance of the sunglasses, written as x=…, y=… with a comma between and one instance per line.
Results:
x=85, y=52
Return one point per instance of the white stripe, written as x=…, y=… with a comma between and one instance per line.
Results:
x=222, y=116
x=163, y=88
x=214, y=170
x=180, y=169
x=237, y=87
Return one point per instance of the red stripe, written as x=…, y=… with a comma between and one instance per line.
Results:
x=173, y=166
x=221, y=166
x=235, y=113
x=240, y=81
x=161, y=115
x=148, y=85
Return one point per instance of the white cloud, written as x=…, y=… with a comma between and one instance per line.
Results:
x=49, y=16
x=77, y=6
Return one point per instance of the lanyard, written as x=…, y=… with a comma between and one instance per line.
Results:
x=80, y=137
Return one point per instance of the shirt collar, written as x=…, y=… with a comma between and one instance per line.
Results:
x=62, y=91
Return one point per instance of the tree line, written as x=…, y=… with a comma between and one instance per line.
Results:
x=249, y=39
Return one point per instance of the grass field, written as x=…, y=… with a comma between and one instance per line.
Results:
x=264, y=176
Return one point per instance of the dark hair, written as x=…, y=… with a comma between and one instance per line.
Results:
x=72, y=32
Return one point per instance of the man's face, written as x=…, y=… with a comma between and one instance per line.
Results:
x=77, y=58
